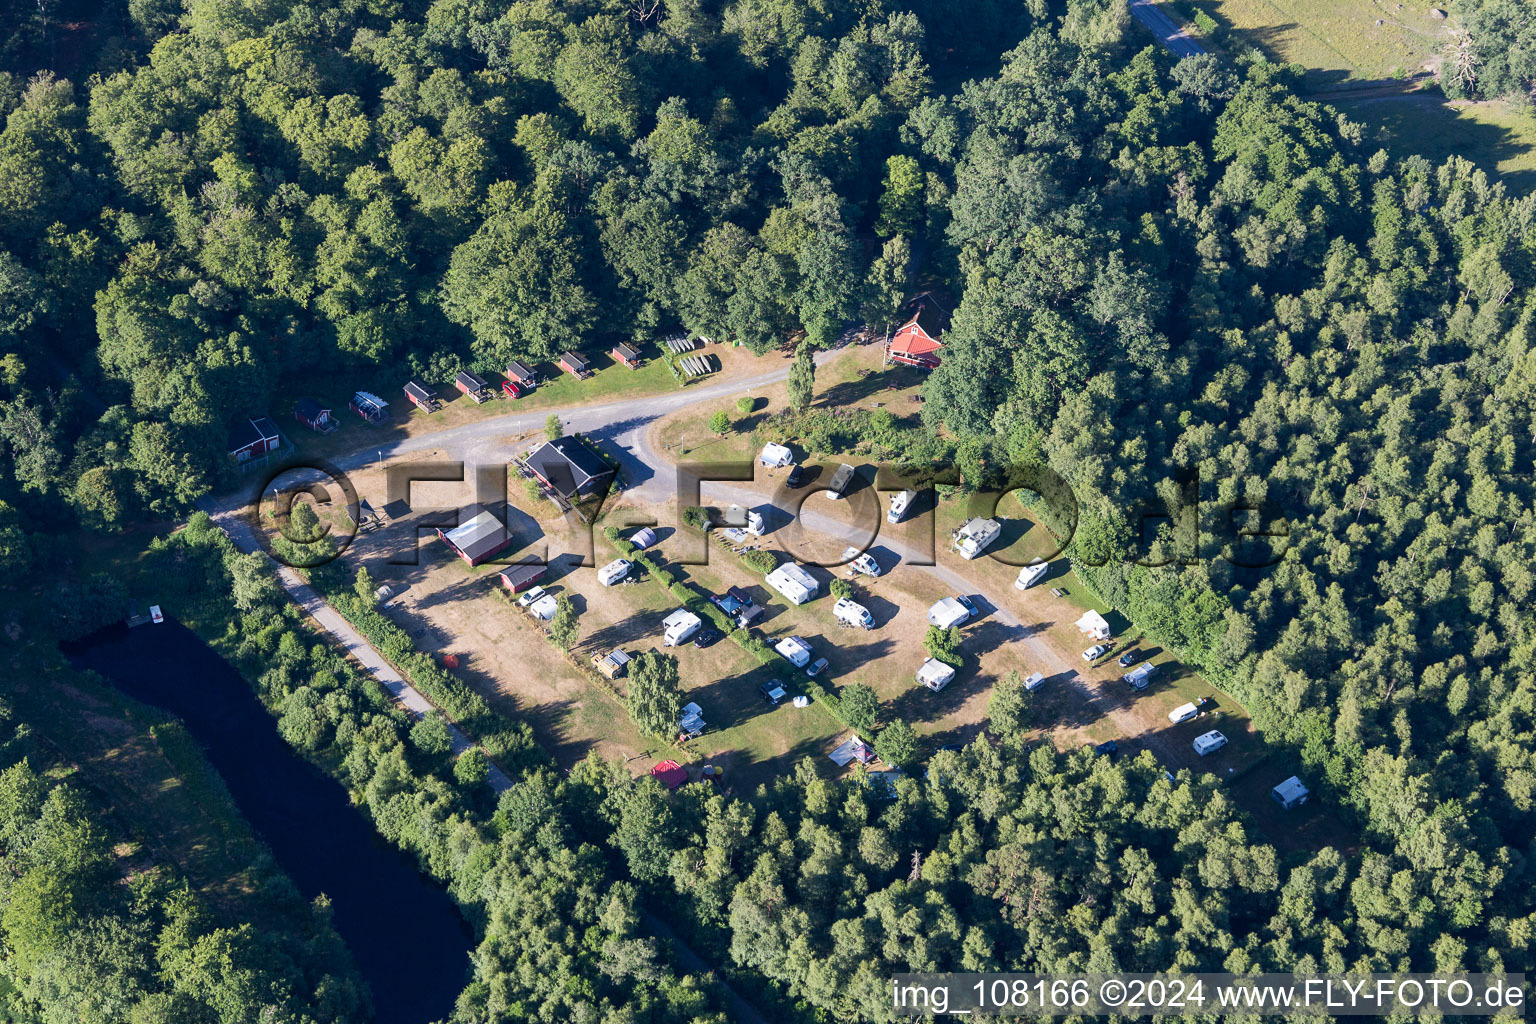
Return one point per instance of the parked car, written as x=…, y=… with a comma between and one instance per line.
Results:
x=1095, y=652
x=1109, y=749
x=796, y=476
x=816, y=667
x=772, y=691
x=1129, y=658
x=968, y=605
x=529, y=596
x=707, y=636
x=512, y=389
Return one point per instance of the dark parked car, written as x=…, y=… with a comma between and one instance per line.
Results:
x=1129, y=658
x=968, y=605
x=772, y=691
x=1109, y=749
x=708, y=635
x=796, y=475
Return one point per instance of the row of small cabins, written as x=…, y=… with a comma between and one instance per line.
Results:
x=914, y=343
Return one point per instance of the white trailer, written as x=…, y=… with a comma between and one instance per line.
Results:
x=1209, y=743
x=840, y=481
x=679, y=626
x=935, y=675
x=899, y=505
x=775, y=456
x=946, y=612
x=976, y=536
x=790, y=580
x=614, y=571
x=1140, y=676
x=794, y=650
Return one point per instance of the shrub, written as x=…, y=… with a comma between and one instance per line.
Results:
x=745, y=405
x=841, y=588
x=761, y=561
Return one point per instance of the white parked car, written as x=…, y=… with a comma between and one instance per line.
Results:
x=1210, y=742
x=614, y=571
x=529, y=596
x=1095, y=652
x=1033, y=681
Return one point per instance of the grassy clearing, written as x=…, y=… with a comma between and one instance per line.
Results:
x=1338, y=41
x=1497, y=136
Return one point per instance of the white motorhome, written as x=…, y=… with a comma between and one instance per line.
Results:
x=947, y=612
x=851, y=613
x=775, y=455
x=757, y=525
x=794, y=650
x=790, y=580
x=679, y=626
x=1030, y=574
x=1183, y=713
x=840, y=481
x=976, y=536
x=864, y=563
x=1209, y=742
x=899, y=505
x=614, y=571
x=1034, y=681
x=935, y=675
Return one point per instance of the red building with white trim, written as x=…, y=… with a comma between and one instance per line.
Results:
x=916, y=342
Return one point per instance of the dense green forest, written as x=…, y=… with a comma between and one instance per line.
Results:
x=93, y=930
x=1162, y=269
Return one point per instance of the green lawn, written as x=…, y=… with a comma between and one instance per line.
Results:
x=1498, y=137
x=1338, y=41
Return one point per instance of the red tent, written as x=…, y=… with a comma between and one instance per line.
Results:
x=670, y=774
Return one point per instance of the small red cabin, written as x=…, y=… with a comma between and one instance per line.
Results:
x=626, y=354
x=253, y=438
x=574, y=364
x=420, y=396
x=314, y=416
x=472, y=385
x=521, y=372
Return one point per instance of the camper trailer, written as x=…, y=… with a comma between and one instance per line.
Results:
x=976, y=536
x=775, y=455
x=935, y=675
x=1140, y=676
x=1209, y=743
x=851, y=613
x=947, y=612
x=790, y=580
x=1290, y=793
x=794, y=650
x=614, y=571
x=679, y=626
x=1031, y=574
x=899, y=505
x=840, y=481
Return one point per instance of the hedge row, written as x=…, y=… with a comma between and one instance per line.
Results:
x=453, y=696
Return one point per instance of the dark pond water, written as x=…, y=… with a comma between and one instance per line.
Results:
x=406, y=935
